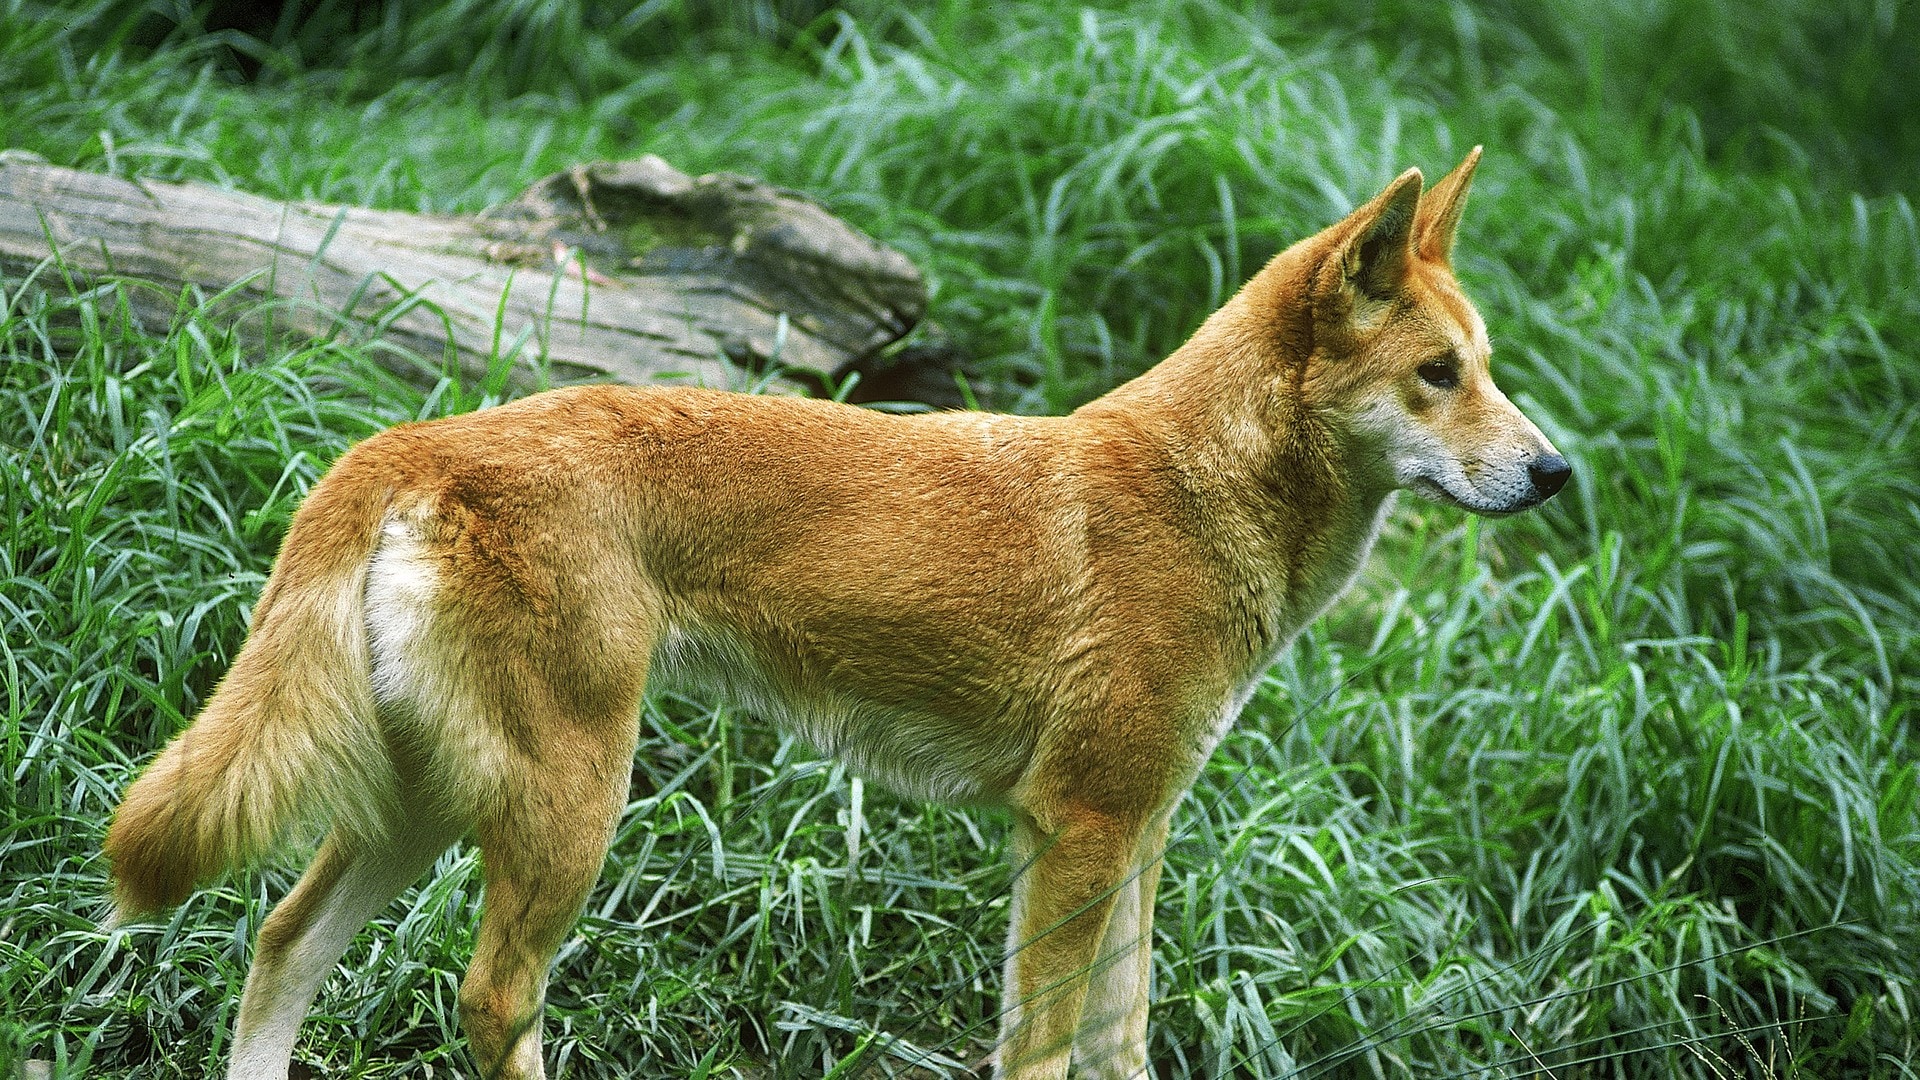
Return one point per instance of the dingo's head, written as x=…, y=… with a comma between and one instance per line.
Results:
x=1400, y=357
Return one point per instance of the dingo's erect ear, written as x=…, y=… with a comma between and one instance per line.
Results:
x=1440, y=210
x=1373, y=259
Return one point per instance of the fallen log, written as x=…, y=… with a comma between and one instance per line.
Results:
x=630, y=271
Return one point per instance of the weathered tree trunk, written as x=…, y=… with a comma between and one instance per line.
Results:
x=628, y=270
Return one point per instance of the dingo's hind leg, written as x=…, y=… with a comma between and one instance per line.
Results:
x=541, y=848
x=308, y=931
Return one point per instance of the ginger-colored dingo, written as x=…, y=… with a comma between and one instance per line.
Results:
x=1056, y=615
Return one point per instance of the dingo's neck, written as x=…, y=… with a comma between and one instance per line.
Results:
x=1291, y=511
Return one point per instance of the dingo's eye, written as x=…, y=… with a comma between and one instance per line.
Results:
x=1440, y=373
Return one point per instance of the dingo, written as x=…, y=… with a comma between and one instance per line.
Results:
x=1056, y=615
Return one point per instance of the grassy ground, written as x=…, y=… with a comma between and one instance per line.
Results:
x=1623, y=788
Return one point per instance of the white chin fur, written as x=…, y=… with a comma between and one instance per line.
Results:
x=1428, y=488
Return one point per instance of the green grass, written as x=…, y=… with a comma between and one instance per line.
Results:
x=1629, y=782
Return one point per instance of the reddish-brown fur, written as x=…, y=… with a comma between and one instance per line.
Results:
x=1057, y=615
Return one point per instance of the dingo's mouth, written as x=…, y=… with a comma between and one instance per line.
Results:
x=1428, y=488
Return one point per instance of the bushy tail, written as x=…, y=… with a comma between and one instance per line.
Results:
x=289, y=738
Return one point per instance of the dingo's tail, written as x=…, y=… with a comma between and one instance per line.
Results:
x=289, y=738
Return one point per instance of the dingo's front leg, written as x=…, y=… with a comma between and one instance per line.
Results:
x=1112, y=1041
x=1070, y=879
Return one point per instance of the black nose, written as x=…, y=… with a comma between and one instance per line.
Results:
x=1549, y=475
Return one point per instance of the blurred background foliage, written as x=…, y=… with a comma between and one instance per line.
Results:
x=1787, y=84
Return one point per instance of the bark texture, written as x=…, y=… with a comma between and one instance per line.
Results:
x=630, y=271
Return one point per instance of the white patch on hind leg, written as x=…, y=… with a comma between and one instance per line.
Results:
x=402, y=583
x=421, y=672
